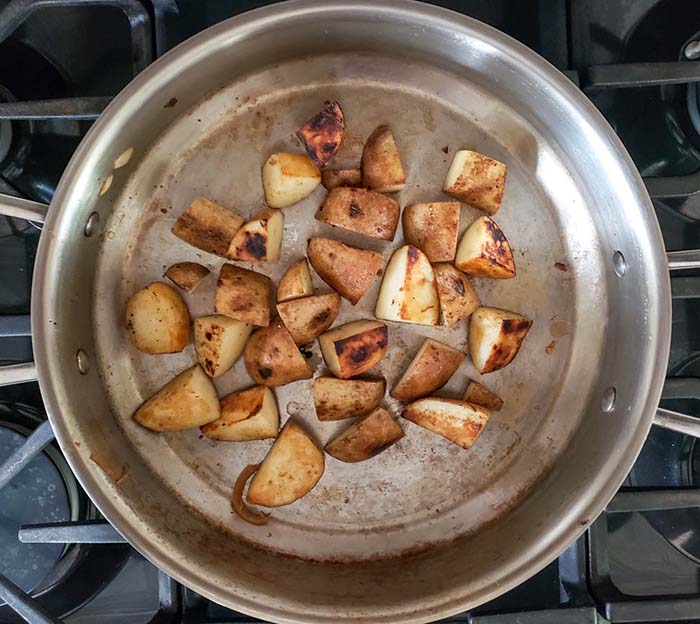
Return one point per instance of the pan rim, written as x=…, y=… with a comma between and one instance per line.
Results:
x=44, y=297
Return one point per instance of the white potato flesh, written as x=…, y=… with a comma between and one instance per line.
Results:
x=260, y=239
x=219, y=342
x=495, y=337
x=408, y=293
x=187, y=401
x=248, y=415
x=296, y=282
x=289, y=178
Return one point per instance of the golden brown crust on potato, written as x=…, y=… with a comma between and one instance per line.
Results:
x=323, y=134
x=365, y=439
x=430, y=369
x=358, y=353
x=260, y=239
x=362, y=211
x=247, y=415
x=333, y=178
x=272, y=358
x=219, y=342
x=476, y=180
x=309, y=317
x=458, y=297
x=381, y=164
x=484, y=251
x=186, y=275
x=296, y=282
x=243, y=295
x=207, y=226
x=337, y=399
x=481, y=395
x=495, y=337
x=433, y=227
x=346, y=269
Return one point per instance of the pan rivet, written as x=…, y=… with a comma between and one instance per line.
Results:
x=91, y=224
x=619, y=263
x=83, y=361
x=608, y=402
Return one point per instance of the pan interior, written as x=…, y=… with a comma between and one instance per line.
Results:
x=423, y=490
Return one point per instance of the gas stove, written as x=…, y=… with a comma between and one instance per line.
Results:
x=63, y=60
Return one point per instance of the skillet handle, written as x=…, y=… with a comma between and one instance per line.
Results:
x=678, y=260
x=19, y=208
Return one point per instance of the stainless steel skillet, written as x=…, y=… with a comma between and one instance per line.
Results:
x=425, y=530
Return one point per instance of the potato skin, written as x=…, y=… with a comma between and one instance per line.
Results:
x=485, y=251
x=188, y=400
x=290, y=470
x=362, y=211
x=381, y=164
x=158, y=320
x=271, y=357
x=186, y=275
x=333, y=178
x=309, y=317
x=207, y=226
x=323, y=134
x=476, y=180
x=433, y=227
x=481, y=395
x=347, y=270
x=243, y=295
x=457, y=295
x=365, y=439
x=357, y=354
x=337, y=399
x=430, y=369
x=296, y=282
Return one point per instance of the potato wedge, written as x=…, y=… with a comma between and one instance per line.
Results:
x=409, y=292
x=347, y=270
x=337, y=399
x=333, y=178
x=186, y=275
x=207, y=226
x=260, y=239
x=248, y=415
x=476, y=180
x=308, y=317
x=354, y=348
x=381, y=164
x=484, y=251
x=458, y=421
x=323, y=134
x=291, y=468
x=296, y=282
x=495, y=337
x=430, y=369
x=433, y=227
x=158, y=320
x=219, y=342
x=481, y=395
x=271, y=357
x=368, y=437
x=289, y=178
x=362, y=211
x=458, y=297
x=189, y=400
x=243, y=295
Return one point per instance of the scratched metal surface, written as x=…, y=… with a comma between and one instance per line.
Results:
x=424, y=489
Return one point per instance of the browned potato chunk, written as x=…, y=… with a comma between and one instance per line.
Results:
x=248, y=415
x=243, y=295
x=362, y=211
x=296, y=282
x=347, y=270
x=260, y=239
x=354, y=348
x=484, y=251
x=219, y=342
x=333, y=178
x=337, y=399
x=409, y=292
x=290, y=470
x=189, y=400
x=458, y=421
x=476, y=180
x=368, y=437
x=323, y=133
x=187, y=275
x=289, y=178
x=458, y=298
x=207, y=226
x=481, y=395
x=309, y=317
x=381, y=164
x=271, y=357
x=433, y=227
x=158, y=320
x=495, y=337
x=430, y=369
